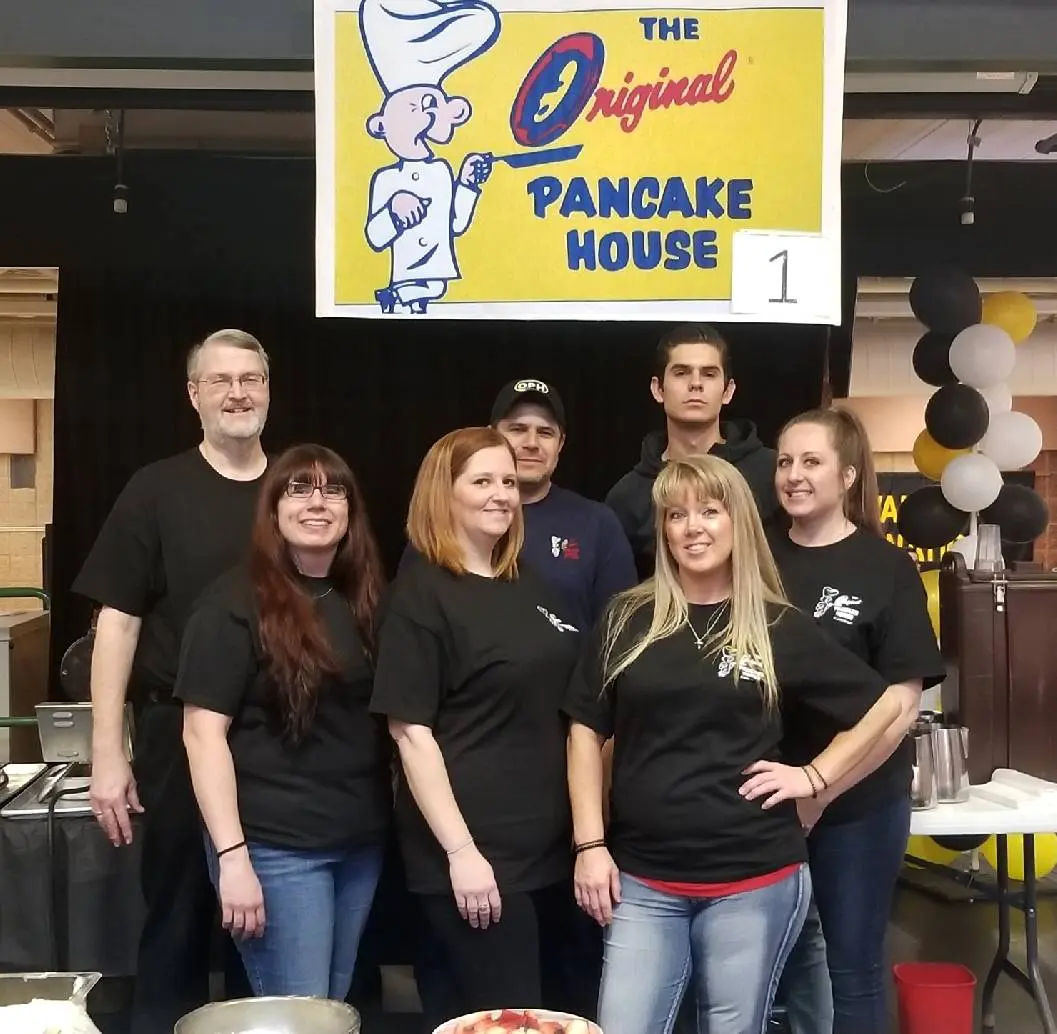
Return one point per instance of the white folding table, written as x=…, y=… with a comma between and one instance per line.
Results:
x=1012, y=803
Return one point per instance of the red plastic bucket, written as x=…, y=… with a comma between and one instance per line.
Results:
x=935, y=998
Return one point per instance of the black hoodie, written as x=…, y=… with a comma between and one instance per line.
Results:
x=630, y=498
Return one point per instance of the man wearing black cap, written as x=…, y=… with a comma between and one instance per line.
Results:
x=579, y=546
x=576, y=544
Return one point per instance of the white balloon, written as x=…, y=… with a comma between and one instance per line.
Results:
x=967, y=546
x=971, y=483
x=1013, y=440
x=998, y=397
x=983, y=356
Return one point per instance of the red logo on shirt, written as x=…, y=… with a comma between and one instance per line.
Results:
x=567, y=549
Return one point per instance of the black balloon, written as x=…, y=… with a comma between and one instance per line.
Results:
x=957, y=416
x=927, y=520
x=1020, y=512
x=946, y=300
x=966, y=842
x=932, y=362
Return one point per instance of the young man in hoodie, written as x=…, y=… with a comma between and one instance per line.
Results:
x=693, y=381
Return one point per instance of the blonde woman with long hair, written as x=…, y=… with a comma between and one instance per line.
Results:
x=475, y=655
x=702, y=873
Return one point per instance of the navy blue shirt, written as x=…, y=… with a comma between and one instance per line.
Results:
x=579, y=547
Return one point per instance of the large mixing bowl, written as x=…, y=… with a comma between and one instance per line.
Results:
x=272, y=1016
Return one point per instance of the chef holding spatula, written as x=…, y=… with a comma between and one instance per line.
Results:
x=418, y=206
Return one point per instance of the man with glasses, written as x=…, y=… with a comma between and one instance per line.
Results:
x=177, y=525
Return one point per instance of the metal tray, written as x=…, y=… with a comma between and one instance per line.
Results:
x=33, y=801
x=23, y=988
x=18, y=777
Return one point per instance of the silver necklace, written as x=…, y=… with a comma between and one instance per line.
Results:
x=322, y=594
x=700, y=640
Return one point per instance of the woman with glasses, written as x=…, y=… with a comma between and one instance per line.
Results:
x=474, y=658
x=701, y=876
x=290, y=770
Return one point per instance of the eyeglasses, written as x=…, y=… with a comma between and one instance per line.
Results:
x=249, y=381
x=303, y=490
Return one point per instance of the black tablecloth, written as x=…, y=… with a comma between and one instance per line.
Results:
x=100, y=906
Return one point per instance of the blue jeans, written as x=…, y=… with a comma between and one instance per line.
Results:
x=805, y=989
x=854, y=868
x=316, y=905
x=734, y=947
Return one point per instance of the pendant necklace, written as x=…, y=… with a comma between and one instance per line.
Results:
x=700, y=640
x=314, y=597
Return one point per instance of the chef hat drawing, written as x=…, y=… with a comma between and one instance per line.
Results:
x=421, y=42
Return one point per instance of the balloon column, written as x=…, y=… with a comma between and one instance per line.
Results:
x=972, y=434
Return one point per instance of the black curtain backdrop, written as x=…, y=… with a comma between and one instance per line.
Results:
x=379, y=393
x=211, y=242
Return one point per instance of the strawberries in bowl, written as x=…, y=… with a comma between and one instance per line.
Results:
x=519, y=1021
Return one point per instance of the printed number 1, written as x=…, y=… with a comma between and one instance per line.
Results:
x=783, y=298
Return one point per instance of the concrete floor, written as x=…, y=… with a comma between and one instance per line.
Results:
x=924, y=927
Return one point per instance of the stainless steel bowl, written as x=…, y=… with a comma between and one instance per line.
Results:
x=272, y=1016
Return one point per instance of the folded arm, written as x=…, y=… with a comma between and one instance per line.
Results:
x=851, y=749
x=908, y=695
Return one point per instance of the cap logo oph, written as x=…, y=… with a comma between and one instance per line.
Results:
x=539, y=386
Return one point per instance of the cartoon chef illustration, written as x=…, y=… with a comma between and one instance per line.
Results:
x=418, y=206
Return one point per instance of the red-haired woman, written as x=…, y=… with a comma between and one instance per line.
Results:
x=290, y=770
x=474, y=658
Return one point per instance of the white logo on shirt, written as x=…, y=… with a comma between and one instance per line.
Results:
x=561, y=626
x=845, y=608
x=556, y=546
x=750, y=670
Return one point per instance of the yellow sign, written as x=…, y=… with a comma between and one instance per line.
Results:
x=579, y=159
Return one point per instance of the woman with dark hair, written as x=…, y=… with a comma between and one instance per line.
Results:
x=475, y=654
x=290, y=770
x=865, y=593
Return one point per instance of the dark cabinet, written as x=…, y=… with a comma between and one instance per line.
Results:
x=998, y=634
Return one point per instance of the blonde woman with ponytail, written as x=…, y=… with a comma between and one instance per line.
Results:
x=701, y=875
x=866, y=595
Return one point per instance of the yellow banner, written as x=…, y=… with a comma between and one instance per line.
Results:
x=590, y=160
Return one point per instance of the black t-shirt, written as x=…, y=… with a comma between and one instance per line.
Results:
x=685, y=729
x=484, y=663
x=331, y=788
x=176, y=527
x=866, y=593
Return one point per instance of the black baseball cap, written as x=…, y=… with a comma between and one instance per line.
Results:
x=528, y=390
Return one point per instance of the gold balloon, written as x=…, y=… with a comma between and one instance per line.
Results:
x=928, y=850
x=1045, y=854
x=931, y=581
x=931, y=458
x=1012, y=311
